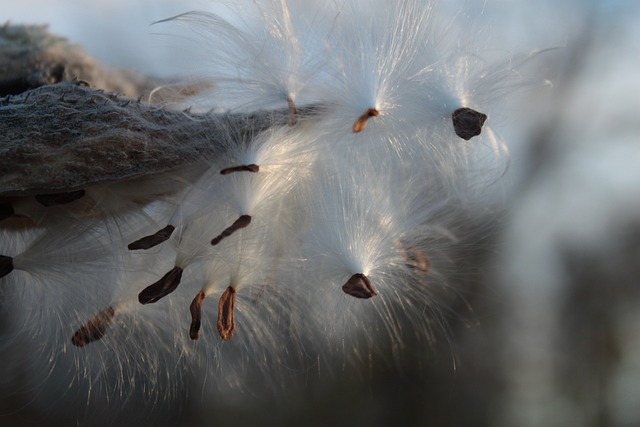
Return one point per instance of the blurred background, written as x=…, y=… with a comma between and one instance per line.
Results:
x=548, y=333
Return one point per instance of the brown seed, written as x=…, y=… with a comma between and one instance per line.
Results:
x=226, y=321
x=6, y=265
x=162, y=287
x=196, y=315
x=59, y=198
x=416, y=258
x=242, y=168
x=6, y=211
x=468, y=123
x=241, y=222
x=94, y=329
x=361, y=123
x=293, y=112
x=152, y=240
x=359, y=286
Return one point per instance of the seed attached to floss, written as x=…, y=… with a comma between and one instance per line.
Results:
x=359, y=286
x=241, y=222
x=196, y=315
x=94, y=329
x=416, y=258
x=60, y=198
x=361, y=123
x=468, y=123
x=6, y=265
x=152, y=240
x=242, y=168
x=293, y=112
x=162, y=287
x=226, y=321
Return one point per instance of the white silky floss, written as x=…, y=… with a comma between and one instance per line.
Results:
x=352, y=198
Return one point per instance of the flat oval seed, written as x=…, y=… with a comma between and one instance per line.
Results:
x=359, y=286
x=241, y=222
x=361, y=123
x=152, y=240
x=415, y=257
x=94, y=329
x=226, y=320
x=467, y=123
x=163, y=287
x=196, y=315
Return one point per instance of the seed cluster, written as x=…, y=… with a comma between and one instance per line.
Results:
x=334, y=188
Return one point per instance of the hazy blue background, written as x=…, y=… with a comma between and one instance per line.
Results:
x=119, y=32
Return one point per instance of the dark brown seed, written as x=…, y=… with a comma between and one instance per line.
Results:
x=152, y=240
x=359, y=286
x=94, y=329
x=6, y=265
x=162, y=287
x=226, y=321
x=361, y=123
x=196, y=315
x=6, y=211
x=293, y=112
x=241, y=222
x=242, y=168
x=59, y=198
x=468, y=123
x=416, y=258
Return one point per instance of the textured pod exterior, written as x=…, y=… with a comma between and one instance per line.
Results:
x=66, y=137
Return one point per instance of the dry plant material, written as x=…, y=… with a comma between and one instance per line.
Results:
x=152, y=240
x=163, y=287
x=241, y=222
x=196, y=315
x=242, y=168
x=94, y=329
x=226, y=320
x=59, y=198
x=6, y=265
x=468, y=123
x=359, y=286
x=74, y=148
x=361, y=123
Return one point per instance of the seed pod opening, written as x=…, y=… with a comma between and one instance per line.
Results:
x=59, y=198
x=242, y=168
